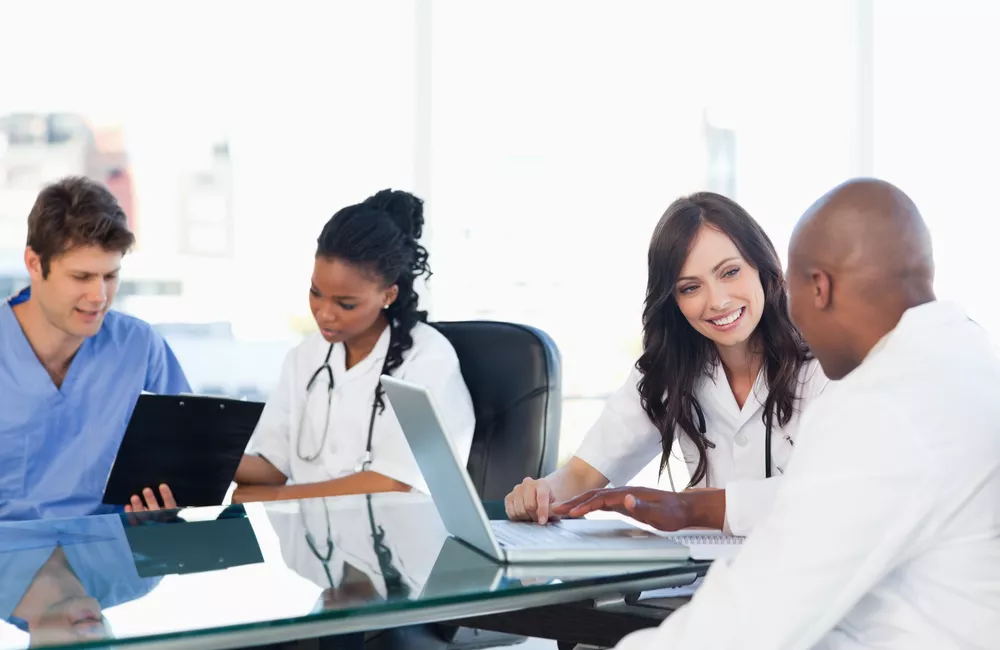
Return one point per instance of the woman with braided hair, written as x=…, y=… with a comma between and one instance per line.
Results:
x=327, y=429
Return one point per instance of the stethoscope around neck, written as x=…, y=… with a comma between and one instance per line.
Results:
x=703, y=429
x=377, y=403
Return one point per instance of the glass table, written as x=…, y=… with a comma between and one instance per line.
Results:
x=266, y=573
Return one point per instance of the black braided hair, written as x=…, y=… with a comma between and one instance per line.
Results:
x=381, y=235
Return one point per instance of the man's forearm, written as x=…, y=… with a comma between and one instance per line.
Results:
x=705, y=508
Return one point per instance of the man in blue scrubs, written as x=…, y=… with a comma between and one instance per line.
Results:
x=59, y=577
x=71, y=370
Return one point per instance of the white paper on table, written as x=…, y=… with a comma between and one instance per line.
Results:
x=703, y=543
x=707, y=544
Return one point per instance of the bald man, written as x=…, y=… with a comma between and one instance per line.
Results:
x=886, y=531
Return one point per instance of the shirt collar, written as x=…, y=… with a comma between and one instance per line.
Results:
x=16, y=342
x=377, y=355
x=381, y=348
x=717, y=385
x=930, y=314
x=21, y=296
x=879, y=346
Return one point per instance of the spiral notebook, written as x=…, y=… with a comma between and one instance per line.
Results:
x=708, y=544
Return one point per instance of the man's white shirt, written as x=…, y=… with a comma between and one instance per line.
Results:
x=885, y=532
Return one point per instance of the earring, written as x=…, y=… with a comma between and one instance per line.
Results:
x=385, y=307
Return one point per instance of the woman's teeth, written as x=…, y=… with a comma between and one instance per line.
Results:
x=728, y=319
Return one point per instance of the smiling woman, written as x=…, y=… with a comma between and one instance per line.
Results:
x=712, y=265
x=723, y=372
x=714, y=299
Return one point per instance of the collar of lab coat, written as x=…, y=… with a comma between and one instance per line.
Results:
x=338, y=360
x=715, y=386
x=931, y=314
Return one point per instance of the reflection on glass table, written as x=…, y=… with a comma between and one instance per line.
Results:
x=235, y=576
x=57, y=577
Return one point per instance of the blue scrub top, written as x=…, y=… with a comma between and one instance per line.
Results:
x=96, y=549
x=57, y=445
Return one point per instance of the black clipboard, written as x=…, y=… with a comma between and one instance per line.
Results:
x=162, y=543
x=193, y=443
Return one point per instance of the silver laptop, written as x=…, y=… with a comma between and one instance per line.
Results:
x=459, y=567
x=462, y=512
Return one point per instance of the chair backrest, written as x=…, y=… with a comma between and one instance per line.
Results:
x=514, y=374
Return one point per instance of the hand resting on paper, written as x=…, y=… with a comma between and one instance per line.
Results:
x=660, y=509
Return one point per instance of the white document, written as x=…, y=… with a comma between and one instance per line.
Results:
x=703, y=543
x=707, y=544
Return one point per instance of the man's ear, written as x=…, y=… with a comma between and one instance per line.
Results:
x=33, y=262
x=822, y=288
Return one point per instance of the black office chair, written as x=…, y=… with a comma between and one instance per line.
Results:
x=514, y=375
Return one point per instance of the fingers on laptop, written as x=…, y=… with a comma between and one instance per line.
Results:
x=514, y=504
x=542, y=495
x=529, y=501
x=529, y=496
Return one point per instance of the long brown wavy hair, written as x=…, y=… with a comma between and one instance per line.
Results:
x=675, y=355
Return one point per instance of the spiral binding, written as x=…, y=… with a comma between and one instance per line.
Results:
x=691, y=540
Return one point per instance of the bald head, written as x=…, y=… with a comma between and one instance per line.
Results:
x=859, y=257
x=869, y=229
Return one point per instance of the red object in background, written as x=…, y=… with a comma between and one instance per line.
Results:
x=119, y=181
x=108, y=163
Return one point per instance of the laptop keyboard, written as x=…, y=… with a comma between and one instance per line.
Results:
x=534, y=535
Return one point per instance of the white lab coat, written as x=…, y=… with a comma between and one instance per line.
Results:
x=624, y=440
x=412, y=534
x=886, y=530
x=431, y=362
